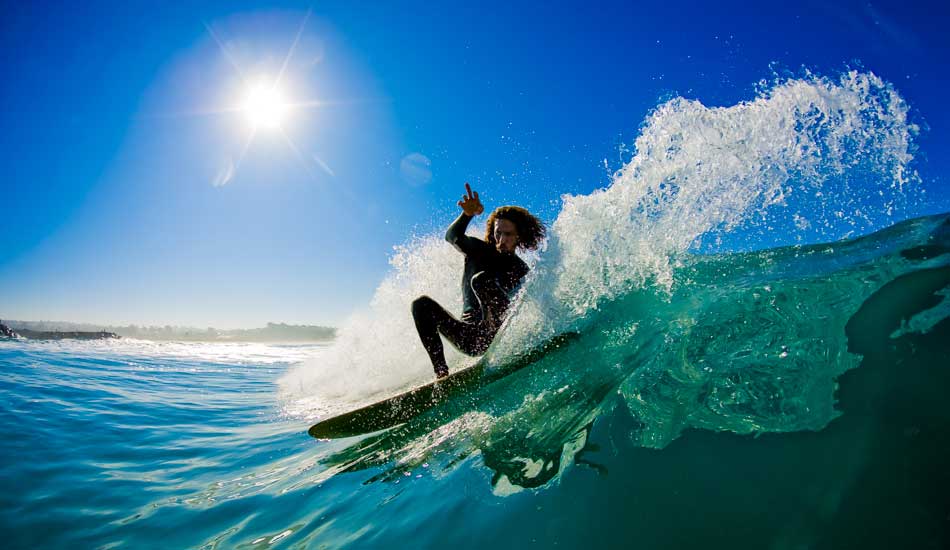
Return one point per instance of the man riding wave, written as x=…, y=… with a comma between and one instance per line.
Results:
x=492, y=275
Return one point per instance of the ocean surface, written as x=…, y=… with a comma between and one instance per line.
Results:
x=763, y=362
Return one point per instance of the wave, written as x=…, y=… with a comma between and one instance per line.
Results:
x=807, y=159
x=720, y=282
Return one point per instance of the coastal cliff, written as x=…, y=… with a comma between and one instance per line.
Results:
x=7, y=332
x=56, y=335
x=271, y=333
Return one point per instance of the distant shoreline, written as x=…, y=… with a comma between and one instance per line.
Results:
x=58, y=335
x=275, y=333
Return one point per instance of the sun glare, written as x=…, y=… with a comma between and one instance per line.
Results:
x=265, y=107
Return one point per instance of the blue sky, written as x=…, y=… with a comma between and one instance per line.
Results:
x=115, y=131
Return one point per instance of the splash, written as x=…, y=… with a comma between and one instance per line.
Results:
x=808, y=159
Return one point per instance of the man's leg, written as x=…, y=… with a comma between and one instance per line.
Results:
x=432, y=319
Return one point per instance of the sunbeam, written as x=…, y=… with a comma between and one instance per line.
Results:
x=293, y=47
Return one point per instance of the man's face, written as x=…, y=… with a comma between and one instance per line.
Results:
x=506, y=236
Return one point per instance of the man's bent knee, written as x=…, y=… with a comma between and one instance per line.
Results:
x=421, y=305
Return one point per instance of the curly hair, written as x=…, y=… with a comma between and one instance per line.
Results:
x=530, y=229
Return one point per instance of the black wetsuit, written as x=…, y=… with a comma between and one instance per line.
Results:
x=488, y=283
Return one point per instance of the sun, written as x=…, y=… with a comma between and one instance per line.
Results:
x=265, y=107
x=262, y=101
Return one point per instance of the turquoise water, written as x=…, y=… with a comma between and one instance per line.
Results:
x=788, y=398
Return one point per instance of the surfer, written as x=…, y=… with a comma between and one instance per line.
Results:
x=492, y=274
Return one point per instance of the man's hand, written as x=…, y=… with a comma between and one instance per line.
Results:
x=470, y=204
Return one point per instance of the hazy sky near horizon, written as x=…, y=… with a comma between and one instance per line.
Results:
x=132, y=192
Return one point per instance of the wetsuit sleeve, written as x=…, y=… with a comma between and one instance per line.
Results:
x=457, y=237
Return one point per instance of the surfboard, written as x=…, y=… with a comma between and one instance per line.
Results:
x=405, y=406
